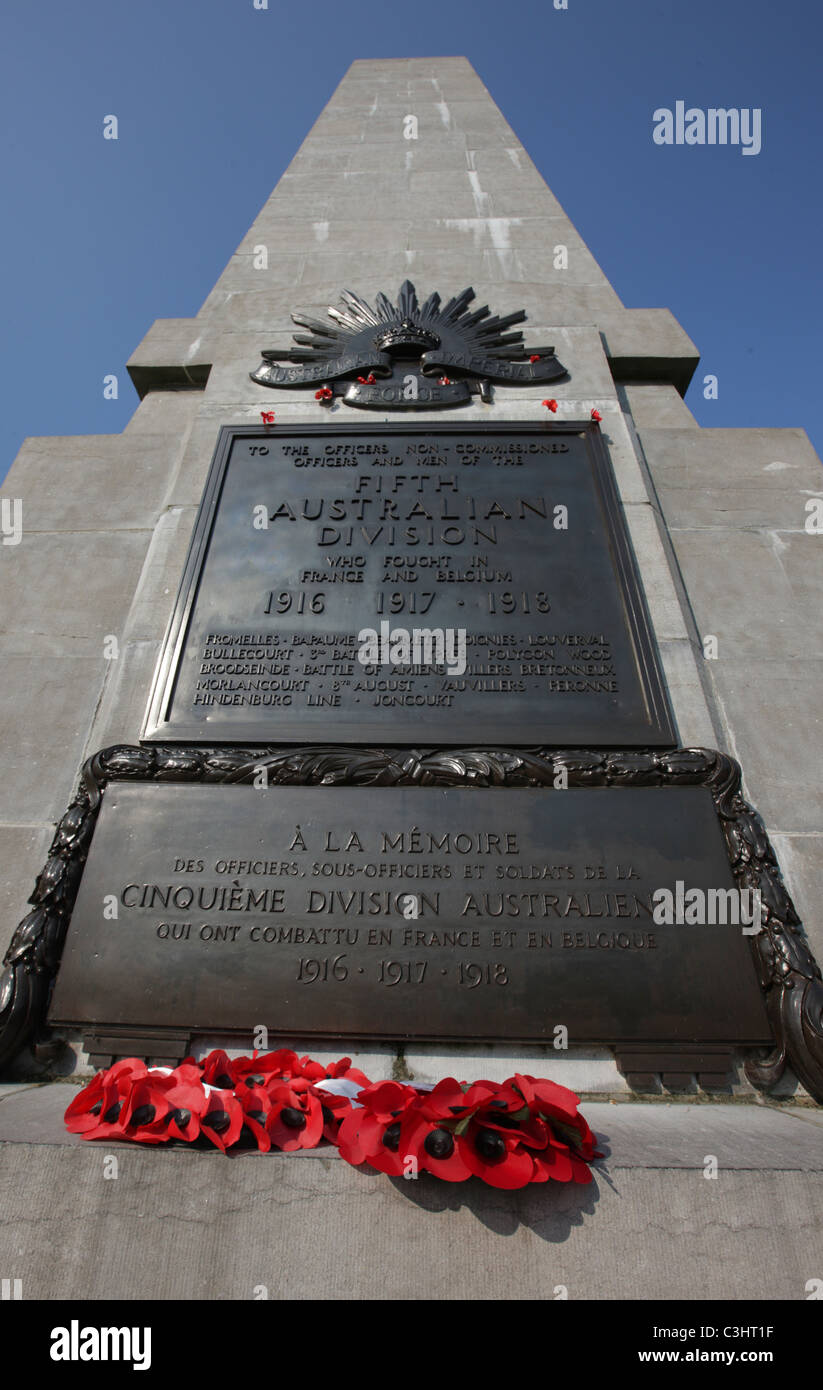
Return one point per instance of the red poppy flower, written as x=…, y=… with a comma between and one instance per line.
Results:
x=311, y=1070
x=324, y=395
x=497, y=1156
x=282, y=1064
x=433, y=1145
x=596, y=415
x=336, y=1087
x=96, y=1111
x=218, y=1070
x=344, y=1070
x=559, y=1164
x=145, y=1113
x=551, y=405
x=571, y=1144
x=535, y=357
x=83, y=1114
x=444, y=381
x=222, y=1118
x=545, y=1097
x=267, y=416
x=385, y=1099
x=371, y=1133
x=453, y=1101
x=295, y=1120
x=254, y=1100
x=363, y=1138
x=178, y=1098
x=186, y=1098
x=334, y=1107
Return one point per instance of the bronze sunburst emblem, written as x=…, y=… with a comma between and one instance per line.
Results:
x=407, y=355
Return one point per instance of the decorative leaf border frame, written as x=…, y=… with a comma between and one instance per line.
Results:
x=788, y=973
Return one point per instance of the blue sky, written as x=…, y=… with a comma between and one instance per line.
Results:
x=213, y=97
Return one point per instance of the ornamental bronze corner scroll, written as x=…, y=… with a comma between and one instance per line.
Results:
x=789, y=975
x=411, y=353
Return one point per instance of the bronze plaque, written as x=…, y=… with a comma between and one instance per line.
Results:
x=406, y=912
x=308, y=538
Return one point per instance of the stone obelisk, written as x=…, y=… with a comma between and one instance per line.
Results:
x=411, y=172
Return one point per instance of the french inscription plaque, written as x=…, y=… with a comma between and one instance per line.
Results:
x=511, y=535
x=406, y=913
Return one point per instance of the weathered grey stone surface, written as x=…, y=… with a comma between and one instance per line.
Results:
x=48, y=616
x=648, y=345
x=732, y=479
x=47, y=707
x=801, y=858
x=122, y=703
x=308, y=1226
x=83, y=484
x=734, y=502
x=656, y=406
x=697, y=722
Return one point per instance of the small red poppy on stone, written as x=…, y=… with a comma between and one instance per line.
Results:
x=571, y=1144
x=312, y=1071
x=499, y=1158
x=296, y=1117
x=371, y=1133
x=256, y=1105
x=596, y=415
x=435, y=1148
x=222, y=1119
x=95, y=1112
x=280, y=1064
x=551, y=405
x=267, y=416
x=444, y=381
x=144, y=1113
x=342, y=1071
x=324, y=395
x=535, y=357
x=452, y=1101
x=219, y=1070
x=186, y=1099
x=334, y=1109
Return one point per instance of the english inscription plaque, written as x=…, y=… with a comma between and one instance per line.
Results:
x=406, y=912
x=512, y=536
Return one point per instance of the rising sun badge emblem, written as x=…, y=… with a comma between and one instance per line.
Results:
x=408, y=356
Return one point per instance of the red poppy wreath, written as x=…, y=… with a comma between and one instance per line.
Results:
x=525, y=1130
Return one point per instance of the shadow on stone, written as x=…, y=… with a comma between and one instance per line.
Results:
x=551, y=1210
